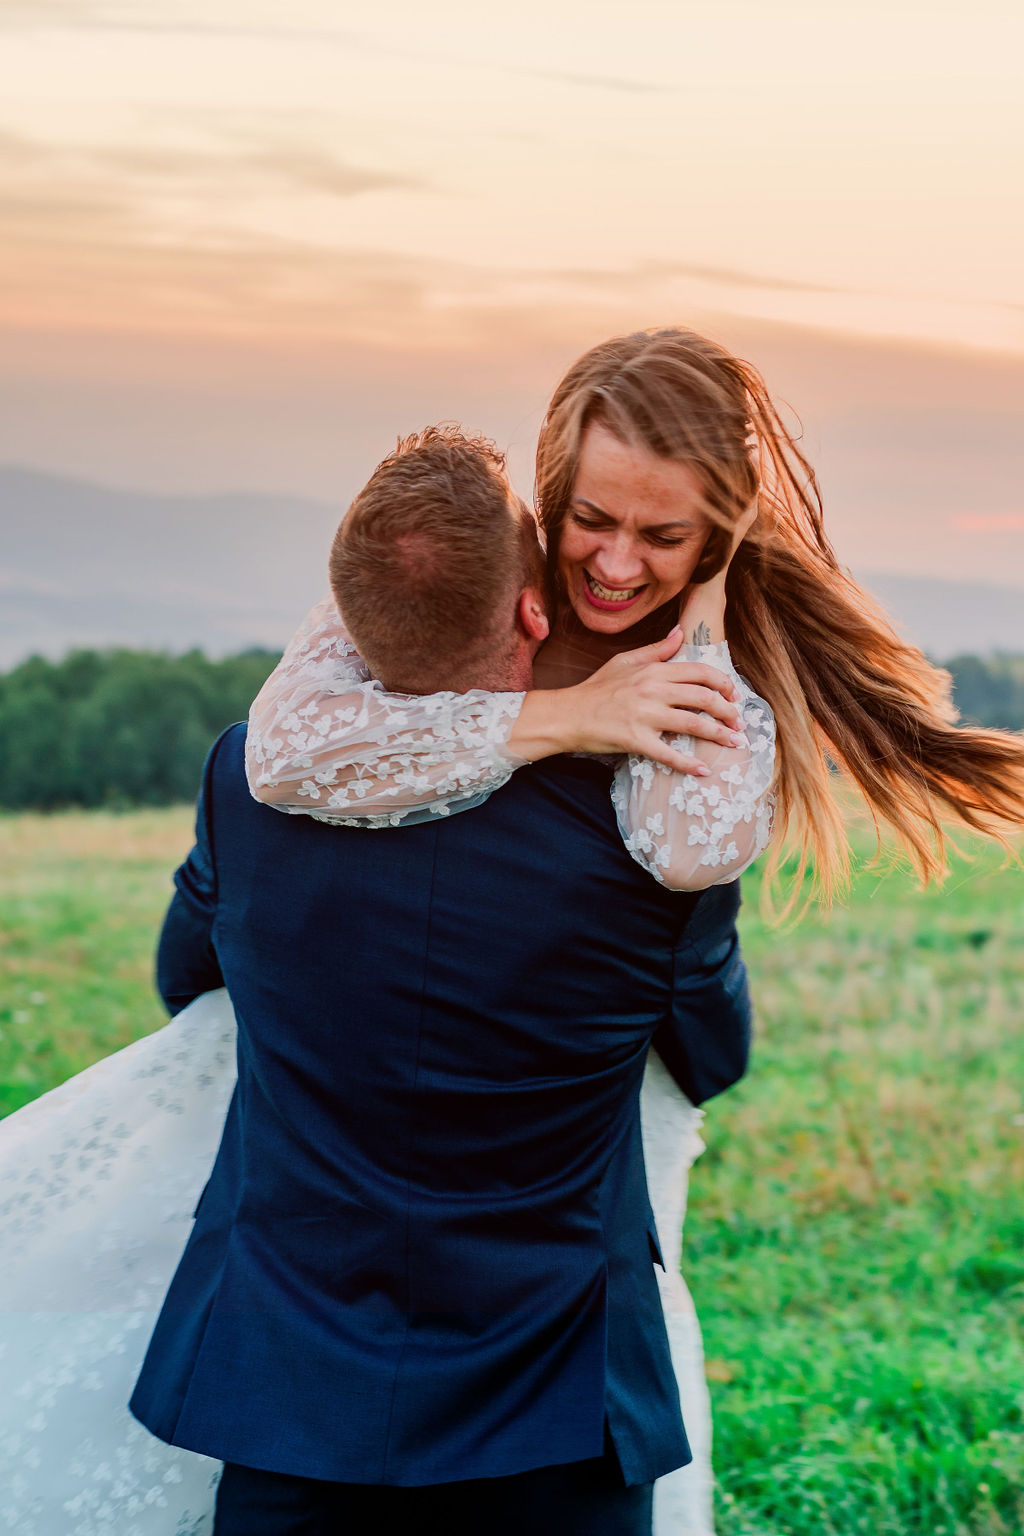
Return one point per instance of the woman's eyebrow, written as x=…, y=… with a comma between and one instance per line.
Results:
x=592, y=506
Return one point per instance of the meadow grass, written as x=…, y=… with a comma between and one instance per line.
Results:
x=82, y=896
x=855, y=1237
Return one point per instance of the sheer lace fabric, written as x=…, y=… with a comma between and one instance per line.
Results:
x=684, y=1500
x=326, y=739
x=98, y=1181
x=691, y=832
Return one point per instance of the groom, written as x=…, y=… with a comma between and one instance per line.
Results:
x=420, y=1281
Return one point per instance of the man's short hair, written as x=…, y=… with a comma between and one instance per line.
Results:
x=429, y=562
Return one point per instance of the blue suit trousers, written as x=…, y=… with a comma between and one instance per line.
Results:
x=582, y=1498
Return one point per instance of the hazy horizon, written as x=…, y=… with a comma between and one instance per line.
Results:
x=86, y=566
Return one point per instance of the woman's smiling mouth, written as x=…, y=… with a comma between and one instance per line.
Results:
x=609, y=597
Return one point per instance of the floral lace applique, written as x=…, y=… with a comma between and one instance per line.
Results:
x=689, y=831
x=326, y=739
x=98, y=1182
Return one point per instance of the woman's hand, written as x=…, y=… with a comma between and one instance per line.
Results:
x=702, y=611
x=629, y=705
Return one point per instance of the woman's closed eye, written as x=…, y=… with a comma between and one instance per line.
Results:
x=660, y=540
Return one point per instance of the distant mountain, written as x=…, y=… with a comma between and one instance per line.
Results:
x=82, y=564
x=85, y=565
x=951, y=618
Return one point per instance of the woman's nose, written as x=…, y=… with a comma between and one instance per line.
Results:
x=617, y=563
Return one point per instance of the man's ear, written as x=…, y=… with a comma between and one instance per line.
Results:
x=532, y=614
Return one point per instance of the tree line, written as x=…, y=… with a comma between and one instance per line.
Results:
x=117, y=728
x=121, y=728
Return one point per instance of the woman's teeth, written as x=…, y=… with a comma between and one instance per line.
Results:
x=610, y=594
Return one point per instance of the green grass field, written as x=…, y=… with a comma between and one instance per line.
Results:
x=855, y=1241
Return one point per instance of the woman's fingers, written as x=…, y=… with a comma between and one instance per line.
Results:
x=651, y=663
x=638, y=699
x=700, y=675
x=703, y=700
x=684, y=722
x=705, y=704
x=661, y=650
x=660, y=751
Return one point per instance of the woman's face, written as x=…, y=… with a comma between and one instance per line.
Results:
x=633, y=533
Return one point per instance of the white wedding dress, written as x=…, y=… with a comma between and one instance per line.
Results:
x=98, y=1182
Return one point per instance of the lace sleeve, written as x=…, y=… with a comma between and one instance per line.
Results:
x=326, y=739
x=691, y=832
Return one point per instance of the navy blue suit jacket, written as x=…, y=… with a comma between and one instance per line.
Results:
x=425, y=1250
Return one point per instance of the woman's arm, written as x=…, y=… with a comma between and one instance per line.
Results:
x=326, y=740
x=692, y=831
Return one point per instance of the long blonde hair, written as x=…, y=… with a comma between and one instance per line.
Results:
x=845, y=689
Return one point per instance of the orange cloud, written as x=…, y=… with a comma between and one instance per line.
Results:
x=989, y=522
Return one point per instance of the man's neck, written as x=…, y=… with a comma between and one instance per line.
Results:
x=512, y=673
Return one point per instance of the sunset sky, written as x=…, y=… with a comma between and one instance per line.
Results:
x=246, y=242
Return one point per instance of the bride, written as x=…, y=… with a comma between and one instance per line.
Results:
x=99, y=1177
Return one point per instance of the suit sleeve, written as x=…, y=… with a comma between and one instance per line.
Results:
x=186, y=958
x=705, y=1042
